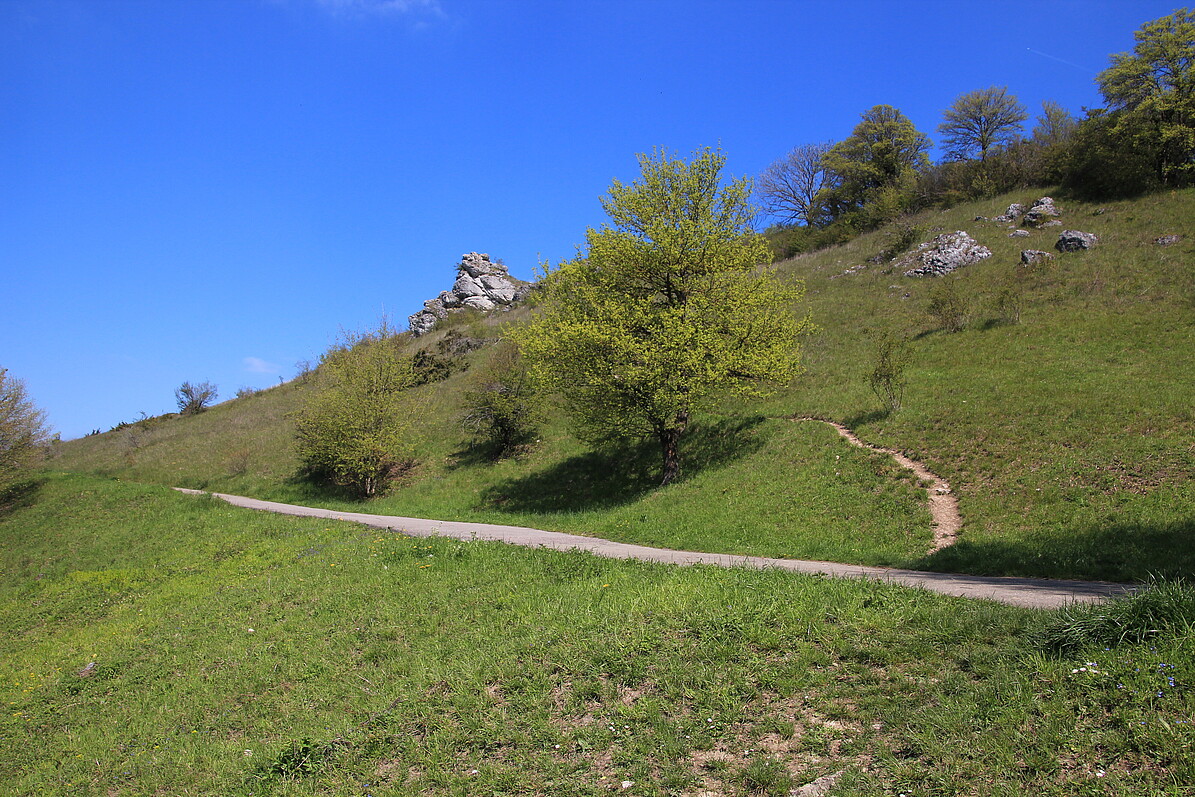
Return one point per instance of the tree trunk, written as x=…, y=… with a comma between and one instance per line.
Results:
x=670, y=447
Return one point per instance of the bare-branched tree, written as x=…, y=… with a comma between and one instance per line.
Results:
x=787, y=189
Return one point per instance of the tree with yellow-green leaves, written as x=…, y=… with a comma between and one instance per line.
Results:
x=1152, y=94
x=668, y=310
x=355, y=429
x=23, y=430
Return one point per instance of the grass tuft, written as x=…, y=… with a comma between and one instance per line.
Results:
x=1161, y=607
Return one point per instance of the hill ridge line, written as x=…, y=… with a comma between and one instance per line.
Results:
x=1035, y=593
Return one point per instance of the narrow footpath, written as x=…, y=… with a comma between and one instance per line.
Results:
x=1036, y=593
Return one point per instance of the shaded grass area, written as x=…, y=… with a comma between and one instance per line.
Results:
x=162, y=644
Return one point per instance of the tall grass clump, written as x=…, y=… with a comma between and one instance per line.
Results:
x=1164, y=606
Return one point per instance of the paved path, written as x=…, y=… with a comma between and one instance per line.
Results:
x=1037, y=593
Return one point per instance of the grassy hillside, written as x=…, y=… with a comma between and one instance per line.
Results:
x=155, y=643
x=1069, y=437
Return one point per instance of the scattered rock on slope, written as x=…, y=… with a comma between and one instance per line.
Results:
x=943, y=254
x=480, y=284
x=1074, y=240
x=1041, y=212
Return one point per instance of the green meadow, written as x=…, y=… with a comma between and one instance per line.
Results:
x=156, y=643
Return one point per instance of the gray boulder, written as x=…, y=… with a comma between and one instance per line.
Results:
x=466, y=285
x=1012, y=214
x=1167, y=240
x=942, y=255
x=1031, y=256
x=1075, y=240
x=1019, y=234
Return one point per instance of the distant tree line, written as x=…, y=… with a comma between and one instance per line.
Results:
x=1144, y=139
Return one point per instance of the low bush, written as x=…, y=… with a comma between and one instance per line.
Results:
x=193, y=399
x=948, y=306
x=887, y=378
x=500, y=409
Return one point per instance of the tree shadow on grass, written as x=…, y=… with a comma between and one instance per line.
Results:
x=21, y=495
x=1121, y=551
x=620, y=474
x=865, y=417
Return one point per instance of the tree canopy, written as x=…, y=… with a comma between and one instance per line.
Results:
x=875, y=168
x=980, y=120
x=1152, y=91
x=22, y=429
x=668, y=309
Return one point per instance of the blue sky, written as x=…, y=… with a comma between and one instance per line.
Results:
x=212, y=189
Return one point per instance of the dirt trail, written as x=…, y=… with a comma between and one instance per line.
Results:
x=943, y=506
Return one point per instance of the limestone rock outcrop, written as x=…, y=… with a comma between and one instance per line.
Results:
x=1041, y=212
x=481, y=284
x=945, y=253
x=1075, y=240
x=1011, y=215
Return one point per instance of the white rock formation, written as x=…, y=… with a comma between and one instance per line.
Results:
x=480, y=284
x=943, y=254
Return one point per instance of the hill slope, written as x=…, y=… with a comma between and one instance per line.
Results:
x=1069, y=438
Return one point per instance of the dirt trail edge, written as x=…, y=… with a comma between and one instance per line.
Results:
x=1036, y=593
x=943, y=506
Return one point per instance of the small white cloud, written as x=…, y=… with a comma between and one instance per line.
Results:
x=256, y=365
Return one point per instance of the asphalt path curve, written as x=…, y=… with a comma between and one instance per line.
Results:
x=1035, y=593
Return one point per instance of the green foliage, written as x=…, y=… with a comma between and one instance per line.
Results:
x=431, y=367
x=23, y=429
x=1055, y=126
x=355, y=429
x=194, y=399
x=1153, y=92
x=979, y=121
x=1100, y=160
x=887, y=378
x=668, y=310
x=1162, y=607
x=500, y=410
x=874, y=171
x=900, y=239
x=948, y=305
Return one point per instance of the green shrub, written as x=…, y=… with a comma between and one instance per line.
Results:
x=500, y=409
x=899, y=239
x=948, y=306
x=355, y=430
x=887, y=378
x=23, y=429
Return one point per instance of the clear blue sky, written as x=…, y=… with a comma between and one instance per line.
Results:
x=211, y=189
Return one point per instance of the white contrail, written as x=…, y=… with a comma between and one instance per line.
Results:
x=1059, y=60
